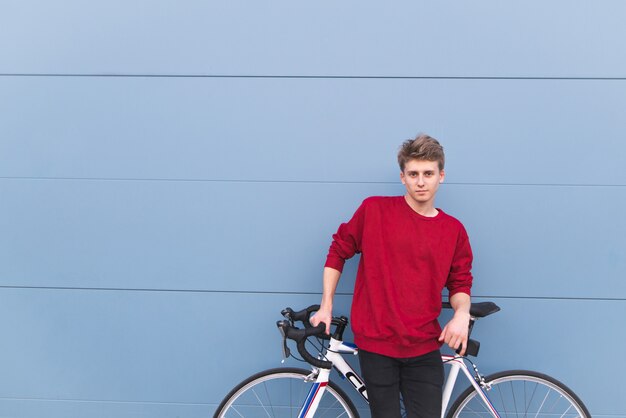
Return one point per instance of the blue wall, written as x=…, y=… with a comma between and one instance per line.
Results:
x=171, y=174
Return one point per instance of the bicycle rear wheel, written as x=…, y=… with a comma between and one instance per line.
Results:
x=520, y=393
x=280, y=393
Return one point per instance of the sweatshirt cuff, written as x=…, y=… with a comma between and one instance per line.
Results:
x=465, y=289
x=335, y=263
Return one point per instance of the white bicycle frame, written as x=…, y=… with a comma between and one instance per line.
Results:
x=338, y=348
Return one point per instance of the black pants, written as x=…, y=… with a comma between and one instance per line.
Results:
x=419, y=379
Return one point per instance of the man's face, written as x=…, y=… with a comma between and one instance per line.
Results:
x=421, y=179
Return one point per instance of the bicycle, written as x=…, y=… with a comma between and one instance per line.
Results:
x=294, y=392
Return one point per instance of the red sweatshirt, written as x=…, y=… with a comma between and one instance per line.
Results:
x=406, y=260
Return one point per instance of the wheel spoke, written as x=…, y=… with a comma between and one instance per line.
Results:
x=531, y=398
x=261, y=403
x=503, y=403
x=566, y=411
x=476, y=412
x=329, y=407
x=238, y=413
x=555, y=403
x=524, y=404
x=542, y=403
x=514, y=401
x=269, y=399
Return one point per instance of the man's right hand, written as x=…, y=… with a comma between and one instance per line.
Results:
x=322, y=316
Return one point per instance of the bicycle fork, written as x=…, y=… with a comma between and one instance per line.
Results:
x=321, y=376
x=315, y=394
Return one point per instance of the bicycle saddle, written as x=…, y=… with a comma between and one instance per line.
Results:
x=478, y=310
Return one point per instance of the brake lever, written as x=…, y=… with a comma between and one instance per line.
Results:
x=281, y=328
x=288, y=314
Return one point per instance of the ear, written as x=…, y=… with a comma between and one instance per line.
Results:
x=402, y=177
x=442, y=175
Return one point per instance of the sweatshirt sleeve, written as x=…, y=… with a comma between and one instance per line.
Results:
x=347, y=240
x=460, y=277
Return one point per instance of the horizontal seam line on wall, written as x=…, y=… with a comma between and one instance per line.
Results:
x=268, y=292
x=103, y=179
x=108, y=401
x=320, y=77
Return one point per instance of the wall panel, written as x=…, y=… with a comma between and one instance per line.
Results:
x=528, y=241
x=503, y=132
x=351, y=38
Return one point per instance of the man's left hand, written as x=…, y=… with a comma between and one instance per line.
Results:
x=455, y=332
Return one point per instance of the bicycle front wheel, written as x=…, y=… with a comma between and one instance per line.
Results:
x=281, y=393
x=520, y=393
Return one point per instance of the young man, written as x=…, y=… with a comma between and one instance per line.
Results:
x=409, y=251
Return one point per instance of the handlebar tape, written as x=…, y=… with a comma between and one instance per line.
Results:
x=302, y=316
x=300, y=336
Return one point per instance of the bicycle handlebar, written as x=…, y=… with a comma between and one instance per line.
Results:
x=289, y=330
x=300, y=335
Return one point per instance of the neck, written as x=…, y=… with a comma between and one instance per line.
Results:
x=425, y=209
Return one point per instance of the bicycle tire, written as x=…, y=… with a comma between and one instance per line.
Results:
x=520, y=393
x=280, y=393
